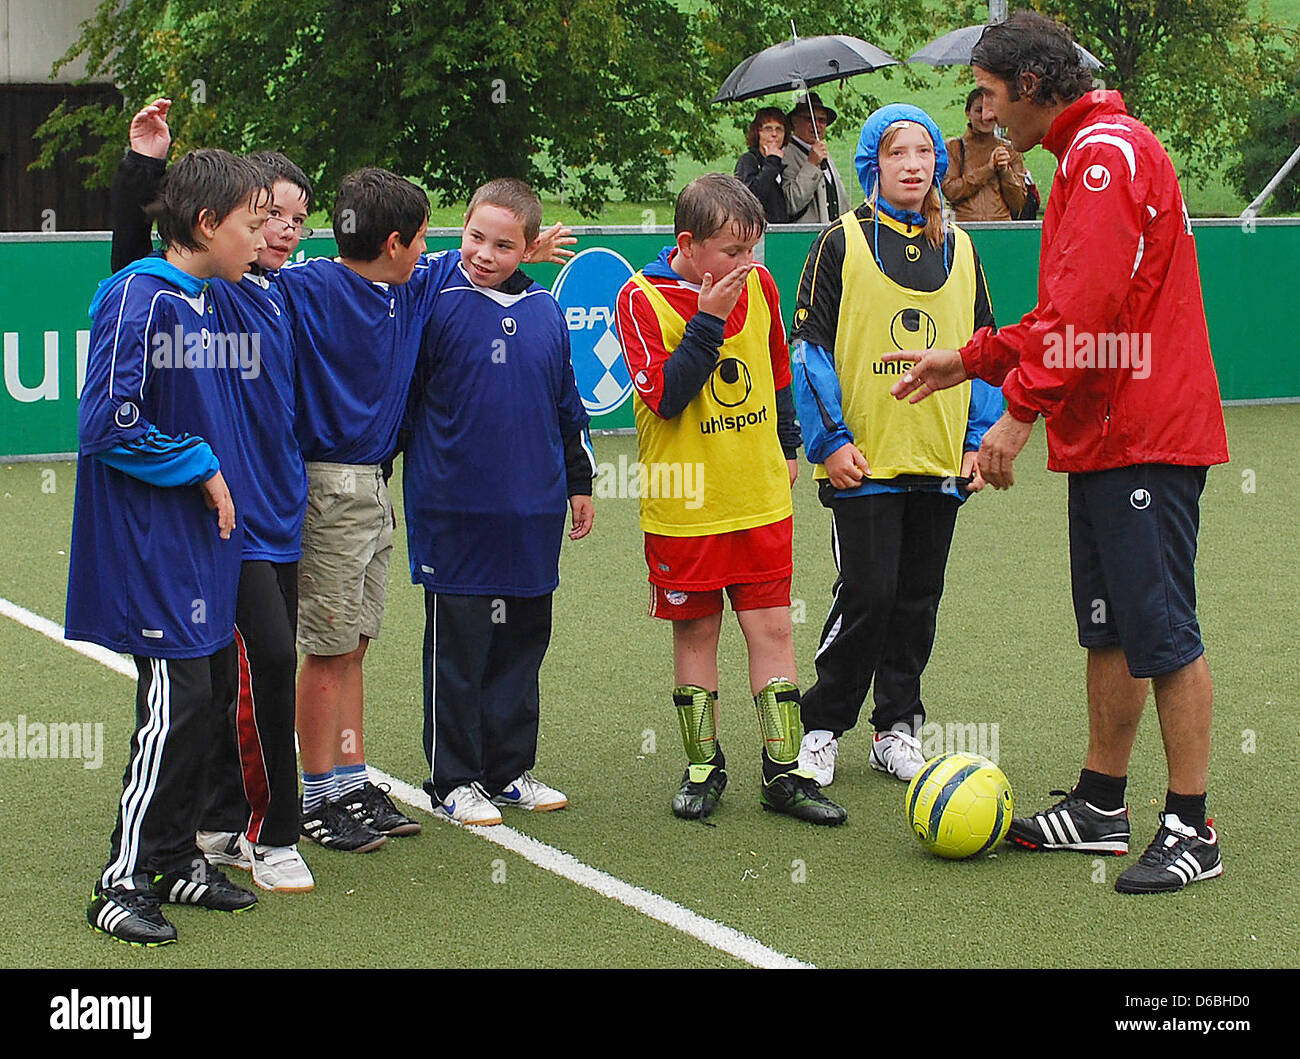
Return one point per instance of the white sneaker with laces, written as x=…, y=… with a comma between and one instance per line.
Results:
x=222, y=848
x=278, y=868
x=528, y=792
x=817, y=755
x=897, y=753
x=469, y=804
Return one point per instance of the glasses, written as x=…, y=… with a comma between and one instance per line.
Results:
x=303, y=231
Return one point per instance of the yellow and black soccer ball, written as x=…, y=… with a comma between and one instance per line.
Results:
x=959, y=805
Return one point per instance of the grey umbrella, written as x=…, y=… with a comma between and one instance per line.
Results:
x=801, y=63
x=954, y=49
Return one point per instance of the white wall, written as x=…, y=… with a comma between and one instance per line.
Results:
x=34, y=33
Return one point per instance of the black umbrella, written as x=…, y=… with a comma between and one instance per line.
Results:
x=954, y=49
x=801, y=63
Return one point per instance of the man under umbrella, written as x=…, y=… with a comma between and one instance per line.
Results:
x=813, y=189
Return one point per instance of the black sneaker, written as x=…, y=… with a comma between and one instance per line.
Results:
x=130, y=916
x=370, y=805
x=797, y=794
x=1073, y=824
x=334, y=827
x=1177, y=856
x=213, y=890
x=702, y=786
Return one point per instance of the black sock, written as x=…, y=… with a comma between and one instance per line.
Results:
x=1190, y=809
x=1105, y=792
x=772, y=769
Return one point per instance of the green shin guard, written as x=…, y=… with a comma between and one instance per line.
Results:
x=695, y=714
x=778, y=719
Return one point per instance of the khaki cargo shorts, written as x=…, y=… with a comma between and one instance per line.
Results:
x=347, y=541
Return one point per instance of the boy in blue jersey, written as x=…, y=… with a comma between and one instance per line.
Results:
x=357, y=325
x=251, y=819
x=151, y=571
x=498, y=446
x=356, y=330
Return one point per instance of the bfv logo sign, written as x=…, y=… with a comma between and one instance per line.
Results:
x=587, y=290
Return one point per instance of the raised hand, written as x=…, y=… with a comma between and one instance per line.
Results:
x=149, y=133
x=549, y=245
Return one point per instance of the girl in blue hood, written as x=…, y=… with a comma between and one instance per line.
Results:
x=892, y=274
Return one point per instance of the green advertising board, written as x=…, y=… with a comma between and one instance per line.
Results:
x=1247, y=274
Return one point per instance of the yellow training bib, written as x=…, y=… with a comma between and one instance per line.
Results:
x=724, y=444
x=879, y=316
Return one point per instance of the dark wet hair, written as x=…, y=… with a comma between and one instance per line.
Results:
x=207, y=180
x=372, y=204
x=1029, y=43
x=715, y=201
x=282, y=168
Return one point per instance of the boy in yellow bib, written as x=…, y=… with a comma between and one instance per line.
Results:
x=890, y=275
x=705, y=347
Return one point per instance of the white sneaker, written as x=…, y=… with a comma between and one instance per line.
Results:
x=469, y=804
x=278, y=868
x=897, y=753
x=817, y=755
x=528, y=792
x=222, y=848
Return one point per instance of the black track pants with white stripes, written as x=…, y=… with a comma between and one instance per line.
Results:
x=254, y=770
x=180, y=709
x=891, y=550
x=482, y=656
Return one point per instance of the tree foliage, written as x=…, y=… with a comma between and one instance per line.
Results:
x=1189, y=70
x=582, y=98
x=1272, y=134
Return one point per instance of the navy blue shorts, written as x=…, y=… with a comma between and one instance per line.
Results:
x=1132, y=558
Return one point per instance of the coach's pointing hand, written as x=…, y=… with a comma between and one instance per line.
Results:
x=934, y=370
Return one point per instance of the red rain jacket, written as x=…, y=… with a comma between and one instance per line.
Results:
x=1116, y=354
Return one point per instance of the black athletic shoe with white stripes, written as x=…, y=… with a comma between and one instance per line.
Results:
x=213, y=890
x=370, y=805
x=331, y=825
x=1073, y=824
x=130, y=916
x=1177, y=856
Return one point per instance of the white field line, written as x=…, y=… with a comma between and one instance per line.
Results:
x=715, y=935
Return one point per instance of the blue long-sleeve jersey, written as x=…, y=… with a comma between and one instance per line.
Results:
x=148, y=571
x=493, y=402
x=355, y=343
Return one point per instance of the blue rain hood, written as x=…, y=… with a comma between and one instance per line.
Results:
x=867, y=158
x=153, y=265
x=867, y=162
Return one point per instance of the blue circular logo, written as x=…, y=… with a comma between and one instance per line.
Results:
x=587, y=291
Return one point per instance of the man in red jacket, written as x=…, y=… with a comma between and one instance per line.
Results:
x=1116, y=358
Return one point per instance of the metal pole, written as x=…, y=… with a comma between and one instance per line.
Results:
x=1254, y=208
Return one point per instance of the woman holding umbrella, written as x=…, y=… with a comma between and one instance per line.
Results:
x=759, y=168
x=892, y=274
